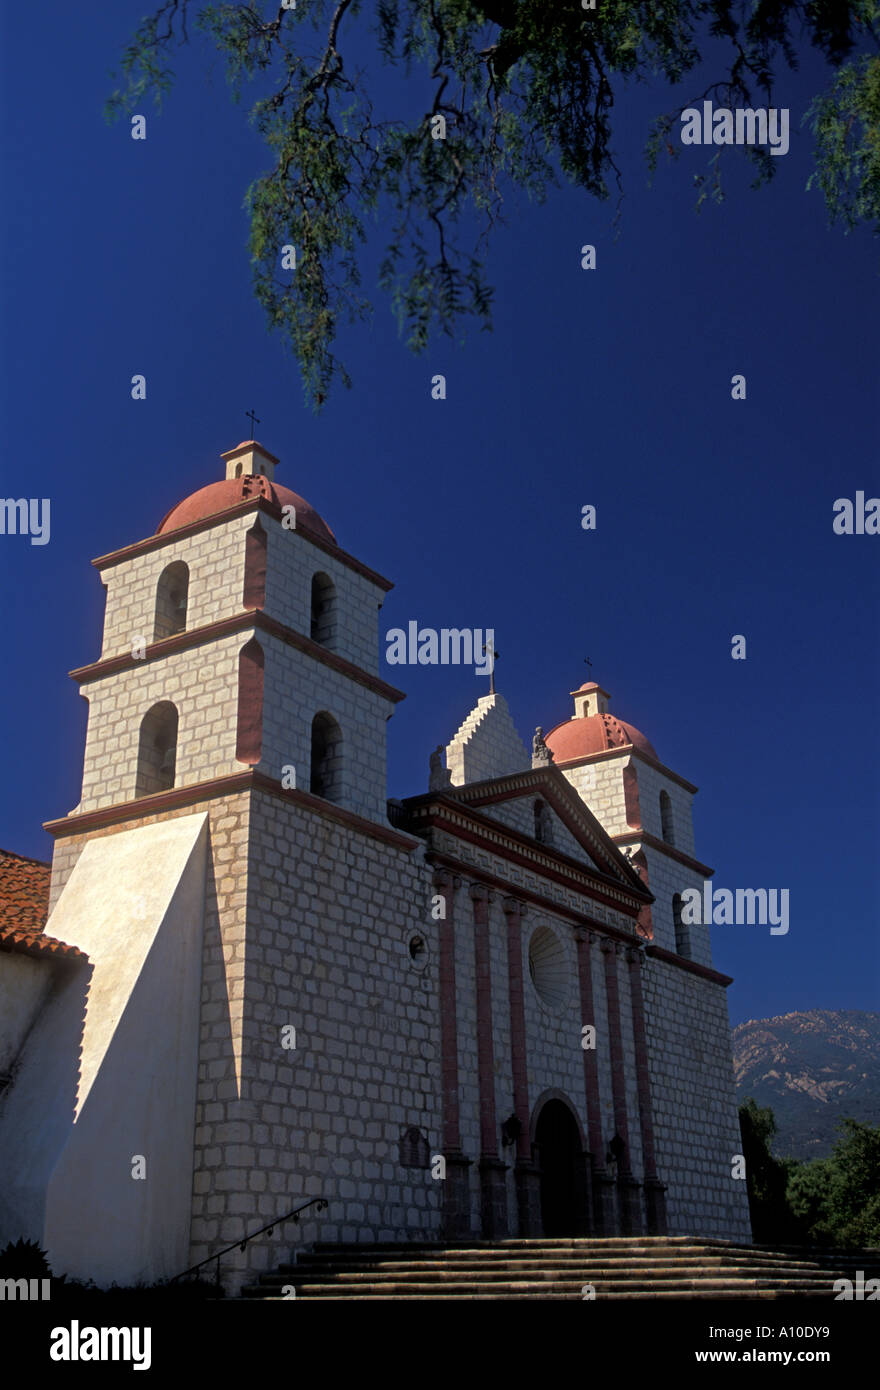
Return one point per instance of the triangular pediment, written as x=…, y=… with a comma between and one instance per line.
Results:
x=570, y=828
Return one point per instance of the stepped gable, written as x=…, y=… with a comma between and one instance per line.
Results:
x=486, y=744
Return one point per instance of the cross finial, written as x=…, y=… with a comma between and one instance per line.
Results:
x=254, y=419
x=489, y=650
x=588, y=663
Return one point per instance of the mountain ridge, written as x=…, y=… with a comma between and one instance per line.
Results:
x=813, y=1067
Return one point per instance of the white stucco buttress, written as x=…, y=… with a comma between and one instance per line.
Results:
x=135, y=904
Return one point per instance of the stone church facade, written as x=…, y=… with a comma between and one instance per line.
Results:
x=474, y=1013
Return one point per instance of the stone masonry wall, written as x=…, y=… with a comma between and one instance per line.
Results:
x=651, y=784
x=215, y=559
x=696, y=1128
x=295, y=689
x=519, y=814
x=228, y=821
x=553, y=1030
x=201, y=682
x=292, y=560
x=331, y=911
x=486, y=744
x=666, y=877
x=600, y=786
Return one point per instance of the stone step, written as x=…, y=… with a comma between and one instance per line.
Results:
x=540, y=1243
x=713, y=1295
x=403, y=1253
x=481, y=1262
x=617, y=1267
x=359, y=1282
x=581, y=1275
x=683, y=1289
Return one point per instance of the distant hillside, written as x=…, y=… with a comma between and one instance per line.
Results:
x=812, y=1069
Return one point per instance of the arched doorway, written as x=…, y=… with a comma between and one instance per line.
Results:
x=560, y=1157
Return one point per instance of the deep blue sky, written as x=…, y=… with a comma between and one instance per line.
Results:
x=609, y=387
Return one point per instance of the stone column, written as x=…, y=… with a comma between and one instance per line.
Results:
x=655, y=1190
x=628, y=1187
x=526, y=1172
x=456, y=1190
x=600, y=1185
x=493, y=1187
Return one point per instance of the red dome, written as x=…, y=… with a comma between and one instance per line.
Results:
x=578, y=738
x=219, y=497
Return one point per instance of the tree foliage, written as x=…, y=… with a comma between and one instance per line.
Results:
x=766, y=1176
x=527, y=90
x=838, y=1199
x=828, y=1201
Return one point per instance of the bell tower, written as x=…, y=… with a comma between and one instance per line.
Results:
x=233, y=791
x=239, y=636
x=644, y=805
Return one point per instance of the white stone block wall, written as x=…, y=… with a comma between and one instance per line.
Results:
x=518, y=813
x=325, y=949
x=565, y=843
x=295, y=689
x=316, y=934
x=600, y=786
x=554, y=1056
x=486, y=744
x=215, y=559
x=631, y=1089
x=203, y=684
x=696, y=1128
x=666, y=877
x=689, y=1060
x=223, y=954
x=224, y=811
x=292, y=560
x=603, y=1053
x=466, y=1036
x=651, y=784
x=553, y=1031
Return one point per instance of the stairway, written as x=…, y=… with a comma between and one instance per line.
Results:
x=663, y=1267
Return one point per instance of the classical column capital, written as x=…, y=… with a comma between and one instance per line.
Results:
x=446, y=880
x=513, y=907
x=607, y=946
x=480, y=893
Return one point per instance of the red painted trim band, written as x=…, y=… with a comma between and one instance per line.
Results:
x=226, y=627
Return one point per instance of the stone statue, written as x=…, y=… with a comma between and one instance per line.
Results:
x=440, y=776
x=541, y=754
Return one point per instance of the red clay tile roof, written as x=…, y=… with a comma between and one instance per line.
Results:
x=24, y=907
x=37, y=943
x=593, y=733
x=24, y=891
x=228, y=492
